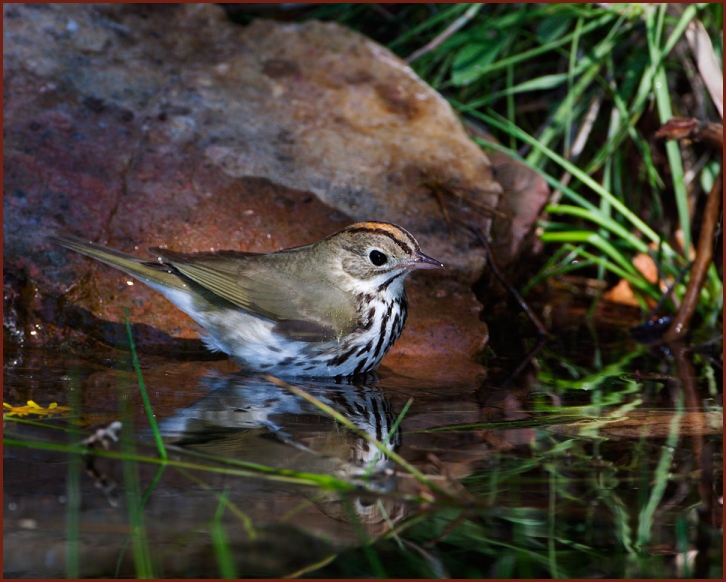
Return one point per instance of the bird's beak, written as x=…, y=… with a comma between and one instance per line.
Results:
x=421, y=261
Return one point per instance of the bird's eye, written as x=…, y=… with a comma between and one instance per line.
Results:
x=378, y=258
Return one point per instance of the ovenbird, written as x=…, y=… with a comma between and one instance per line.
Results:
x=330, y=308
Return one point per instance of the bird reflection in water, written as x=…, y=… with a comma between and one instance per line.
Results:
x=249, y=418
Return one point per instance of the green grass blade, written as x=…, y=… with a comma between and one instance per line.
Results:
x=663, y=102
x=144, y=394
x=527, y=56
x=602, y=219
x=220, y=542
x=501, y=123
x=137, y=528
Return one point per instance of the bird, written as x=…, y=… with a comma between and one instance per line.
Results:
x=332, y=308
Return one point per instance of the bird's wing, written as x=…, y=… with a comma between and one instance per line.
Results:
x=304, y=308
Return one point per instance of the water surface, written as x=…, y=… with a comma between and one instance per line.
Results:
x=594, y=461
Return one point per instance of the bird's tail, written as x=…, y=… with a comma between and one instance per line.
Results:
x=154, y=274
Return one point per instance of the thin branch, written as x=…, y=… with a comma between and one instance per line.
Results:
x=688, y=128
x=502, y=279
x=704, y=254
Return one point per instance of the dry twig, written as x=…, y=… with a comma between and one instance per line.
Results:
x=711, y=133
x=451, y=29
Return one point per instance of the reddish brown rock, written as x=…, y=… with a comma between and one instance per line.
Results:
x=443, y=336
x=526, y=193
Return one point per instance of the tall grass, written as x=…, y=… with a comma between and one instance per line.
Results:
x=576, y=91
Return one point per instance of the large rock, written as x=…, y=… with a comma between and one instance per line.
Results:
x=143, y=125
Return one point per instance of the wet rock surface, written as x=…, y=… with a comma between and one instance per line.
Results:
x=137, y=126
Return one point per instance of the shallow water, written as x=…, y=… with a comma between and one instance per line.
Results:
x=592, y=461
